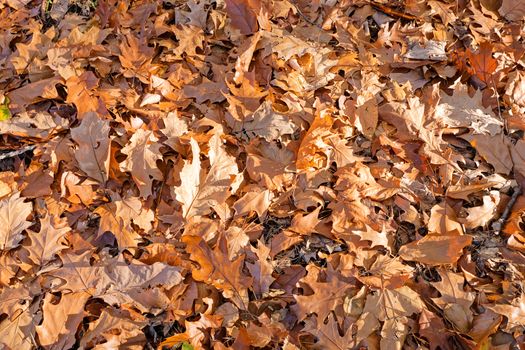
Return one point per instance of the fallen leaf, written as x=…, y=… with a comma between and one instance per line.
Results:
x=92, y=137
x=143, y=151
x=512, y=10
x=454, y=301
x=199, y=191
x=13, y=220
x=243, y=15
x=61, y=320
x=434, y=249
x=443, y=220
x=50, y=240
x=217, y=269
x=461, y=110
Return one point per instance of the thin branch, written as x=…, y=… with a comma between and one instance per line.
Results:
x=498, y=225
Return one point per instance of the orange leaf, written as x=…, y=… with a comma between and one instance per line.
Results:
x=435, y=250
x=483, y=64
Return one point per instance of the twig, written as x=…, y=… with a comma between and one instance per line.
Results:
x=308, y=20
x=17, y=152
x=498, y=225
x=391, y=12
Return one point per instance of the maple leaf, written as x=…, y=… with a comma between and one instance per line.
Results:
x=50, y=240
x=61, y=320
x=143, y=151
x=199, y=191
x=13, y=214
x=92, y=137
x=218, y=270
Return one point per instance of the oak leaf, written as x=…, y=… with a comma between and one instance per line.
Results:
x=261, y=270
x=195, y=331
x=433, y=328
x=117, y=217
x=461, y=110
x=201, y=191
x=143, y=151
x=328, y=334
x=514, y=312
x=61, y=320
x=494, y=149
x=78, y=274
x=312, y=153
x=483, y=214
x=243, y=14
x=92, y=137
x=514, y=11
x=218, y=270
x=13, y=214
x=267, y=123
x=114, y=327
x=483, y=64
x=18, y=331
x=327, y=295
x=50, y=240
x=392, y=307
x=434, y=249
x=454, y=301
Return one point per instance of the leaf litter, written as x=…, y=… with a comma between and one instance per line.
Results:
x=248, y=174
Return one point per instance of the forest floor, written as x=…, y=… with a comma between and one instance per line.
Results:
x=262, y=174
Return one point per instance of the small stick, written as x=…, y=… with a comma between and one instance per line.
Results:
x=17, y=152
x=498, y=225
x=393, y=13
